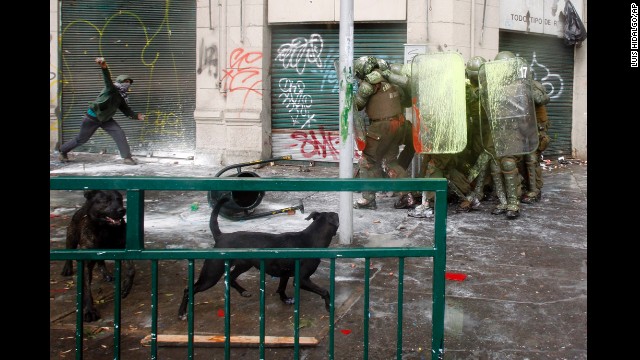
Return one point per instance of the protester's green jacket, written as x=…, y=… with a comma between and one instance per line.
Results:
x=110, y=101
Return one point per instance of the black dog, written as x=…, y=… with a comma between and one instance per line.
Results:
x=317, y=235
x=98, y=224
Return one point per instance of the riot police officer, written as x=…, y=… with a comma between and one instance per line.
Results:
x=475, y=158
x=382, y=101
x=513, y=128
x=531, y=170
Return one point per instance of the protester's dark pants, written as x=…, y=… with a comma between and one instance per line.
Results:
x=89, y=126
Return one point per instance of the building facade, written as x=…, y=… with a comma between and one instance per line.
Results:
x=230, y=81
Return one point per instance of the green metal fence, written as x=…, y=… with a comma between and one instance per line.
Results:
x=135, y=189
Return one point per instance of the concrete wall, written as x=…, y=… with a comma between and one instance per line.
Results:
x=579, y=123
x=233, y=117
x=232, y=113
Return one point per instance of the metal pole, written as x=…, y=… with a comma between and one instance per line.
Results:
x=345, y=77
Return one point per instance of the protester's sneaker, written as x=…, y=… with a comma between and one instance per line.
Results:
x=421, y=211
x=475, y=204
x=130, y=161
x=365, y=204
x=63, y=157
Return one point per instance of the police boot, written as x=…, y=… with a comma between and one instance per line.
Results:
x=498, y=184
x=405, y=201
x=533, y=194
x=478, y=191
x=367, y=170
x=511, y=183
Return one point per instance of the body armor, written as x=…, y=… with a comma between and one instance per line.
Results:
x=384, y=103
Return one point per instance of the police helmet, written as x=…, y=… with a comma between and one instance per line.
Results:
x=504, y=55
x=364, y=65
x=472, y=67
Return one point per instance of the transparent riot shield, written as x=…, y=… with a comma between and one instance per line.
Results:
x=506, y=95
x=439, y=105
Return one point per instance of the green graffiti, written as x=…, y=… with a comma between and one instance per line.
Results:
x=348, y=104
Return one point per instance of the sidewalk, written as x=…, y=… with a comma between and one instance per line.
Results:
x=524, y=295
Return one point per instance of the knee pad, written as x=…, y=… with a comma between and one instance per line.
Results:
x=396, y=171
x=508, y=164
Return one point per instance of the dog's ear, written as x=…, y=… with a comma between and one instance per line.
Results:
x=333, y=219
x=313, y=215
x=88, y=194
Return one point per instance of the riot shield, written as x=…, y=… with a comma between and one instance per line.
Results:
x=506, y=95
x=439, y=105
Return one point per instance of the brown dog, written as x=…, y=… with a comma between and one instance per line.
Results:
x=317, y=235
x=98, y=224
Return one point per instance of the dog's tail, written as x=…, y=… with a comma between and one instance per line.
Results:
x=213, y=221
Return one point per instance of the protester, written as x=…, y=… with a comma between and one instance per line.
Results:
x=100, y=115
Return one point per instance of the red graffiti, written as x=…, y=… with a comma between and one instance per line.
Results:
x=240, y=75
x=311, y=146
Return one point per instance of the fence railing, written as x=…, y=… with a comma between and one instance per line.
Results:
x=135, y=188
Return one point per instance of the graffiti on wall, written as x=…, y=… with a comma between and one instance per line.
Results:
x=53, y=79
x=296, y=101
x=208, y=59
x=311, y=144
x=163, y=123
x=297, y=55
x=553, y=83
x=306, y=54
x=329, y=74
x=301, y=52
x=242, y=75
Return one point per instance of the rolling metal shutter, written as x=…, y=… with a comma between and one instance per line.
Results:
x=552, y=64
x=304, y=87
x=153, y=41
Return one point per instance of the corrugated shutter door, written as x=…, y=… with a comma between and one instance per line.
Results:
x=154, y=42
x=552, y=64
x=305, y=92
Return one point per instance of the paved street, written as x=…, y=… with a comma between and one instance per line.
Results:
x=524, y=295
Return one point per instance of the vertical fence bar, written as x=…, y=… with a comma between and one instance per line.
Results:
x=262, y=304
x=80, y=264
x=190, y=314
x=296, y=311
x=117, y=309
x=365, y=340
x=400, y=305
x=154, y=309
x=227, y=311
x=135, y=219
x=439, y=265
x=332, y=308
